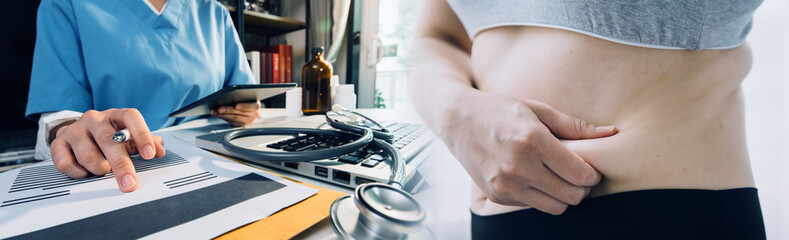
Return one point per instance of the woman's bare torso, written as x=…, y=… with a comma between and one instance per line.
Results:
x=680, y=113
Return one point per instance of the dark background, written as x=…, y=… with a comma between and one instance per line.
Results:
x=17, y=40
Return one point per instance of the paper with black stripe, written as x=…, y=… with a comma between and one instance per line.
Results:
x=202, y=196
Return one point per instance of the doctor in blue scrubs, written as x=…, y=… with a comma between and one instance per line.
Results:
x=104, y=65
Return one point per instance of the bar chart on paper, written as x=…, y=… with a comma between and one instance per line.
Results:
x=47, y=177
x=188, y=193
x=44, y=179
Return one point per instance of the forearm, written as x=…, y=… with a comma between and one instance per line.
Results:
x=440, y=82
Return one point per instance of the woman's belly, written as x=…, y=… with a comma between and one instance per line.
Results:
x=679, y=113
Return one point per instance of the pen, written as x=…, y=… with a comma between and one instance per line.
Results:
x=122, y=136
x=225, y=130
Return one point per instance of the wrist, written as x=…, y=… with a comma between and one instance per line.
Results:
x=55, y=131
x=462, y=106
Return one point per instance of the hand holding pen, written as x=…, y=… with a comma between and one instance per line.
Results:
x=94, y=145
x=122, y=136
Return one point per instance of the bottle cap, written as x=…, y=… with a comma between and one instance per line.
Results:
x=345, y=88
x=317, y=50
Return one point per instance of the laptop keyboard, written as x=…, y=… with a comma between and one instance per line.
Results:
x=404, y=134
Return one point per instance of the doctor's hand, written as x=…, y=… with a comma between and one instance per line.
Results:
x=86, y=146
x=510, y=147
x=238, y=115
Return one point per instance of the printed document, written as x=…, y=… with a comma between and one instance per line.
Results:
x=189, y=193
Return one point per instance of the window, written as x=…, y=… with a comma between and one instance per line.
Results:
x=396, y=24
x=384, y=54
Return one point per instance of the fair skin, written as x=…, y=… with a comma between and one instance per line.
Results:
x=531, y=98
x=158, y=4
x=86, y=146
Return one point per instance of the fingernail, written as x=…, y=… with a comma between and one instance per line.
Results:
x=128, y=182
x=605, y=128
x=147, y=151
x=221, y=109
x=238, y=106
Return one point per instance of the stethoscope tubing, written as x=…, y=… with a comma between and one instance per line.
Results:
x=364, y=136
x=302, y=156
x=397, y=177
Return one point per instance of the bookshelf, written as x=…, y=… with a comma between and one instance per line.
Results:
x=255, y=29
x=262, y=24
x=267, y=24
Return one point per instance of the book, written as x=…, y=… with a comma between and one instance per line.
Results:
x=263, y=63
x=285, y=66
x=253, y=58
x=288, y=64
x=266, y=71
x=275, y=68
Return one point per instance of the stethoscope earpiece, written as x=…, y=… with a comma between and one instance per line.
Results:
x=355, y=122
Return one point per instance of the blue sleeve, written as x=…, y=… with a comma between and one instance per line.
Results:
x=58, y=80
x=236, y=66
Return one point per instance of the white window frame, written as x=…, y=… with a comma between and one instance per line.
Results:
x=370, y=55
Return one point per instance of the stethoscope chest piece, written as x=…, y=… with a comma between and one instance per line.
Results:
x=378, y=211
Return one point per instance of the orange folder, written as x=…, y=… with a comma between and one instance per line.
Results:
x=288, y=222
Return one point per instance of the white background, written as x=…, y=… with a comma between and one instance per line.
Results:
x=767, y=113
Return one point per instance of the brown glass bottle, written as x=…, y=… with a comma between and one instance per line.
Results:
x=316, y=87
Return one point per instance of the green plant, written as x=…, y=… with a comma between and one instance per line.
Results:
x=380, y=102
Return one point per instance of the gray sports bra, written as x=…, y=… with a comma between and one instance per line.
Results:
x=665, y=24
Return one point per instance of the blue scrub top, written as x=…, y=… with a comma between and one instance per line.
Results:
x=101, y=54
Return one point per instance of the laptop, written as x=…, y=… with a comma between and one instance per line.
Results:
x=350, y=170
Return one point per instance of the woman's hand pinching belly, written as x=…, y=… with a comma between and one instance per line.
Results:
x=511, y=149
x=238, y=115
x=86, y=146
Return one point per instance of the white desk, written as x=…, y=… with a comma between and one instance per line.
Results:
x=447, y=202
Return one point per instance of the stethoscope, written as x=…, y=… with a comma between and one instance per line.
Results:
x=375, y=210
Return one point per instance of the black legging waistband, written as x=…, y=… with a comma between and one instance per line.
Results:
x=643, y=214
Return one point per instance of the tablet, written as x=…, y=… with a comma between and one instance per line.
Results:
x=231, y=95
